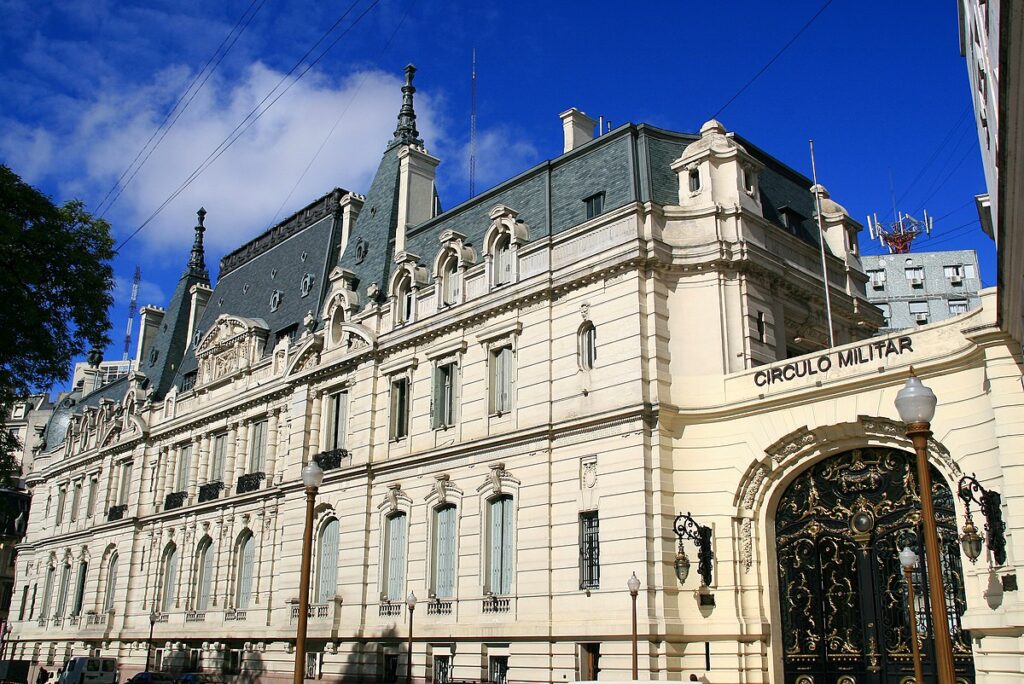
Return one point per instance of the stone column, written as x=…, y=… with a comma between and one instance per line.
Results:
x=271, y=462
x=241, y=461
x=314, y=424
x=198, y=454
x=203, y=466
x=172, y=469
x=229, y=458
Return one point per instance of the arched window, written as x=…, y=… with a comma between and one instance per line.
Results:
x=450, y=281
x=76, y=605
x=245, y=553
x=694, y=180
x=327, y=562
x=204, y=573
x=170, y=579
x=47, y=592
x=500, y=563
x=587, y=346
x=444, y=552
x=62, y=593
x=502, y=260
x=403, y=300
x=394, y=557
x=108, y=594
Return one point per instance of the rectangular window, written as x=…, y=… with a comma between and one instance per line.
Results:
x=694, y=180
x=394, y=555
x=877, y=278
x=444, y=552
x=590, y=550
x=590, y=661
x=258, y=447
x=501, y=374
x=76, y=500
x=390, y=668
x=337, y=420
x=443, y=406
x=90, y=500
x=126, y=481
x=498, y=669
x=184, y=464
x=595, y=205
x=233, y=662
x=955, y=271
x=442, y=669
x=76, y=606
x=970, y=271
x=957, y=306
x=188, y=381
x=399, y=408
x=500, y=563
x=220, y=450
x=314, y=664
x=919, y=312
x=914, y=273
x=24, y=602
x=61, y=493
x=762, y=328
x=32, y=605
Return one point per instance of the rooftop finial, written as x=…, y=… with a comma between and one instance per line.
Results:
x=197, y=260
x=406, y=133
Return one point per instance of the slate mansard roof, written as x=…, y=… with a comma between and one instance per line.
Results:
x=629, y=164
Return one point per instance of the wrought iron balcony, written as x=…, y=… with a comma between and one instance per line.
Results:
x=210, y=491
x=175, y=500
x=249, y=482
x=331, y=459
x=497, y=604
x=117, y=512
x=439, y=607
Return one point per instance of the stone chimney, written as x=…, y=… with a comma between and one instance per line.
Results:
x=149, y=325
x=577, y=128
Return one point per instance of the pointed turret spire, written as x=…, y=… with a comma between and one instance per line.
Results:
x=197, y=260
x=406, y=133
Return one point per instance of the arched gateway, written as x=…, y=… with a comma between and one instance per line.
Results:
x=838, y=529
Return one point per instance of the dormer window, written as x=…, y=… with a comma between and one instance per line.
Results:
x=503, y=260
x=595, y=205
x=748, y=180
x=450, y=281
x=403, y=300
x=694, y=177
x=306, y=286
x=275, y=300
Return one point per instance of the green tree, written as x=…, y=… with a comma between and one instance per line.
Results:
x=55, y=285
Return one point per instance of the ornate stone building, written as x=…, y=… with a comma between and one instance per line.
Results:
x=512, y=400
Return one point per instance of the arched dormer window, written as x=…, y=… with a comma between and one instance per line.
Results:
x=502, y=260
x=451, y=280
x=245, y=555
x=587, y=346
x=404, y=299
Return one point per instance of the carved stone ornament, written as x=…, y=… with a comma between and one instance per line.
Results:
x=747, y=544
x=585, y=310
x=497, y=472
x=588, y=473
x=394, y=489
x=441, y=482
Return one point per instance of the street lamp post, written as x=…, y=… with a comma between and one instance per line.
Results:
x=916, y=406
x=908, y=559
x=410, y=601
x=312, y=476
x=153, y=617
x=633, y=583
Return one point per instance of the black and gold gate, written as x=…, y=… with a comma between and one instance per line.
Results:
x=838, y=530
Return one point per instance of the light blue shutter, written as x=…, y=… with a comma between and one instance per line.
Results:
x=496, y=545
x=246, y=554
x=505, y=379
x=108, y=598
x=396, y=557
x=185, y=458
x=340, y=420
x=47, y=593
x=170, y=579
x=62, y=594
x=445, y=550
x=76, y=607
x=205, y=575
x=506, y=546
x=259, y=445
x=327, y=563
x=437, y=399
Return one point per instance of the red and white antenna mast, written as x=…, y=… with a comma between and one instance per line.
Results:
x=900, y=235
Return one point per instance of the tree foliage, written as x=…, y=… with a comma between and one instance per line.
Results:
x=55, y=290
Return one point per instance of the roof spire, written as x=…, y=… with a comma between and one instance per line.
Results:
x=406, y=133
x=197, y=260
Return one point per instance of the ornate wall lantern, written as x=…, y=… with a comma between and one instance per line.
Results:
x=970, y=490
x=687, y=528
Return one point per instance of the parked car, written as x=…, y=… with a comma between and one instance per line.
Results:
x=151, y=678
x=84, y=670
x=200, y=678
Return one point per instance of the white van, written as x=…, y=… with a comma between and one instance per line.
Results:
x=83, y=670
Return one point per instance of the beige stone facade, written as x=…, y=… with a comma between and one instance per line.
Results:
x=656, y=358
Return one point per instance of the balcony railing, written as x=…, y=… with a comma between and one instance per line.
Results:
x=175, y=500
x=93, y=619
x=195, y=616
x=437, y=607
x=43, y=621
x=117, y=512
x=249, y=482
x=331, y=459
x=390, y=609
x=210, y=491
x=73, y=620
x=315, y=611
x=234, y=615
x=497, y=604
x=163, y=617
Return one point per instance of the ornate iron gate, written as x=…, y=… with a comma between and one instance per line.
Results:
x=838, y=530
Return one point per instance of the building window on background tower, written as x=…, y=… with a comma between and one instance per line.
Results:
x=594, y=205
x=914, y=274
x=590, y=550
x=957, y=306
x=502, y=371
x=587, y=350
x=399, y=407
x=954, y=273
x=500, y=564
x=394, y=557
x=443, y=406
x=877, y=277
x=919, y=312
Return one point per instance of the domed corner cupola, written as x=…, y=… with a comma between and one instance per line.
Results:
x=716, y=169
x=840, y=230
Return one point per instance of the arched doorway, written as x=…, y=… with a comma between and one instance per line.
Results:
x=842, y=592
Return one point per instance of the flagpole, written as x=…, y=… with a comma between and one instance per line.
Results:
x=821, y=242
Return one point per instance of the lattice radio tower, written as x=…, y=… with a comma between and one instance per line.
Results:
x=899, y=235
x=472, y=131
x=132, y=307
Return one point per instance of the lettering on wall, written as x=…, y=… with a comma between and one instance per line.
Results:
x=847, y=358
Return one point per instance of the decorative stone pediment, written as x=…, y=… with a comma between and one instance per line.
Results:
x=232, y=344
x=308, y=356
x=453, y=242
x=505, y=220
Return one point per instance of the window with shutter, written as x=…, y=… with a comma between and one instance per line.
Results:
x=90, y=503
x=62, y=593
x=47, y=593
x=126, y=479
x=500, y=560
x=399, y=408
x=246, y=556
x=258, y=447
x=61, y=493
x=501, y=379
x=76, y=501
x=327, y=562
x=443, y=404
x=444, y=551
x=76, y=606
x=108, y=594
x=170, y=579
x=205, y=577
x=184, y=463
x=220, y=448
x=395, y=551
x=502, y=260
x=337, y=420
x=450, y=281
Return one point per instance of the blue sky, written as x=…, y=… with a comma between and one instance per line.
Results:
x=879, y=86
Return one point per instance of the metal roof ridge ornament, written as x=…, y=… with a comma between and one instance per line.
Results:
x=197, y=260
x=406, y=133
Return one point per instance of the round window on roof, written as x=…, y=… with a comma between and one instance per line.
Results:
x=306, y=286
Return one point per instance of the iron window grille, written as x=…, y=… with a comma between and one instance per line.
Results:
x=590, y=550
